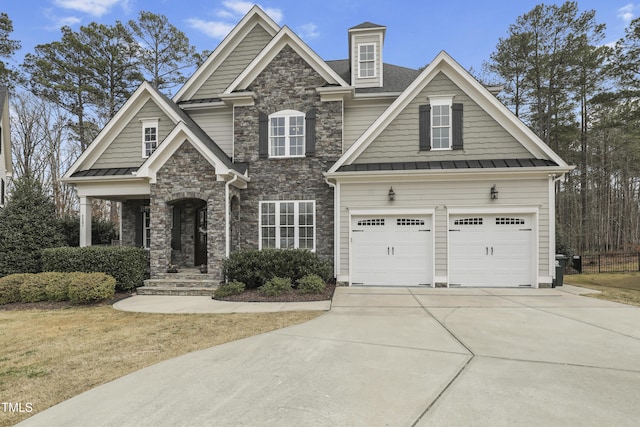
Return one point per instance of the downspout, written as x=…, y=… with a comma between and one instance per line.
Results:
x=553, y=178
x=336, y=228
x=227, y=223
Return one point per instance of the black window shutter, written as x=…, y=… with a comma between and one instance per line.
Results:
x=263, y=135
x=424, y=112
x=139, y=225
x=456, y=129
x=310, y=133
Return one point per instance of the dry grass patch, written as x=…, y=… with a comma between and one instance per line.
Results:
x=617, y=287
x=52, y=355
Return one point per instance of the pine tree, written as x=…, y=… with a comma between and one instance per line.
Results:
x=28, y=224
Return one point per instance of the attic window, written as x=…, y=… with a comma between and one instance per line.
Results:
x=366, y=60
x=441, y=123
x=149, y=137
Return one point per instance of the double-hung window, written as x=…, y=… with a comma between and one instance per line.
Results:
x=366, y=60
x=441, y=123
x=287, y=225
x=149, y=137
x=286, y=134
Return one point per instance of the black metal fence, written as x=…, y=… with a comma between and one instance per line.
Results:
x=605, y=263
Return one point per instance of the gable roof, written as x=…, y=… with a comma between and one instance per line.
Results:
x=255, y=16
x=145, y=92
x=476, y=91
x=285, y=37
x=181, y=133
x=396, y=78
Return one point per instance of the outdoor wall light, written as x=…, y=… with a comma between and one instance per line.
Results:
x=494, y=192
x=392, y=194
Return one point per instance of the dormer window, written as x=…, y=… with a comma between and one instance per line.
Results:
x=286, y=134
x=149, y=137
x=367, y=60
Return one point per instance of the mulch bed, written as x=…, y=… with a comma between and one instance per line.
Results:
x=60, y=305
x=252, y=295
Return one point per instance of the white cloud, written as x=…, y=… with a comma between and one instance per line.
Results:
x=308, y=31
x=626, y=12
x=232, y=11
x=214, y=29
x=91, y=7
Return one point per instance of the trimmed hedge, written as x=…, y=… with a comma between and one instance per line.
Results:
x=57, y=285
x=87, y=288
x=275, y=287
x=128, y=265
x=312, y=284
x=33, y=289
x=227, y=289
x=10, y=287
x=254, y=268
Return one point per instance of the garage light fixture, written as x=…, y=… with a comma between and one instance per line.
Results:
x=494, y=192
x=392, y=194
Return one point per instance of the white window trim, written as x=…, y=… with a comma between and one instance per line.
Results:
x=287, y=114
x=374, y=61
x=296, y=222
x=438, y=101
x=149, y=123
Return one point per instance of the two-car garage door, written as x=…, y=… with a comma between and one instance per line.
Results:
x=391, y=250
x=483, y=250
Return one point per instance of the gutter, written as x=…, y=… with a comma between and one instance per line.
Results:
x=336, y=226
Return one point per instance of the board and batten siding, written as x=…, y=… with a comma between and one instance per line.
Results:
x=125, y=151
x=444, y=195
x=483, y=137
x=218, y=124
x=357, y=118
x=234, y=64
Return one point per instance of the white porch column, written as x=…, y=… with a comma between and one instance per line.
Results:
x=85, y=221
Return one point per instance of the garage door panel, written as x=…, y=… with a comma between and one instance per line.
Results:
x=490, y=250
x=391, y=251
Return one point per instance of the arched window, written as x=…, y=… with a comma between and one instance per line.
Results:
x=286, y=134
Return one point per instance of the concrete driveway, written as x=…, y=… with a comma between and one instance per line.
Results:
x=397, y=357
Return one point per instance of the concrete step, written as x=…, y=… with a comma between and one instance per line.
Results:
x=175, y=290
x=188, y=275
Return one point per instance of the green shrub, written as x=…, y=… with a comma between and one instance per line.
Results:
x=57, y=285
x=232, y=288
x=33, y=289
x=128, y=265
x=254, y=268
x=10, y=287
x=102, y=231
x=87, y=288
x=312, y=284
x=275, y=287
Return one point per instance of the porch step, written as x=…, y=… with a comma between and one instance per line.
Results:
x=175, y=290
x=183, y=283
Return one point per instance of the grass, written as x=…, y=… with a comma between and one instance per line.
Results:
x=52, y=355
x=618, y=287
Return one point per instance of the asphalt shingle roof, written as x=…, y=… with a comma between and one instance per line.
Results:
x=396, y=78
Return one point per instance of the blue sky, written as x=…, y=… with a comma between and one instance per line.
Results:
x=416, y=30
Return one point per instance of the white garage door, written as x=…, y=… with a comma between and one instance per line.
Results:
x=490, y=250
x=391, y=250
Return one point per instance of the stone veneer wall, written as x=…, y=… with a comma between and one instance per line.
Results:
x=186, y=175
x=288, y=82
x=131, y=209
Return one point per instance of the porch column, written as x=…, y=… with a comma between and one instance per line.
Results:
x=85, y=221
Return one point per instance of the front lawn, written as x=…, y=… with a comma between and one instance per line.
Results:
x=52, y=355
x=618, y=287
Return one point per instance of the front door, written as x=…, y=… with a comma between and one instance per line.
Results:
x=201, y=237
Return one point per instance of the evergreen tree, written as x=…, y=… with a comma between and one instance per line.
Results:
x=28, y=224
